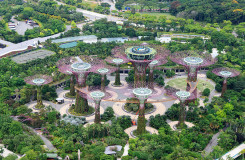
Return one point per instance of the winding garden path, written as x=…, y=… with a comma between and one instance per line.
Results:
x=149, y=129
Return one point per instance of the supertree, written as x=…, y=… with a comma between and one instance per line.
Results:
x=97, y=96
x=142, y=94
x=39, y=80
x=103, y=70
x=192, y=61
x=80, y=67
x=64, y=66
x=140, y=57
x=117, y=62
x=183, y=96
x=152, y=65
x=225, y=73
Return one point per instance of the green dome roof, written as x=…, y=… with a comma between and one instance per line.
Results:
x=140, y=53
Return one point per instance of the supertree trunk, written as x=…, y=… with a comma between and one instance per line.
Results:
x=81, y=104
x=72, y=86
x=151, y=86
x=141, y=119
x=136, y=77
x=39, y=98
x=103, y=83
x=117, y=78
x=224, y=88
x=97, y=112
x=78, y=103
x=181, y=122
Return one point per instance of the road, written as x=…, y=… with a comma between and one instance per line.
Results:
x=23, y=45
x=93, y=15
x=111, y=2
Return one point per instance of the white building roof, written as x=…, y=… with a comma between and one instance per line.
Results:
x=77, y=38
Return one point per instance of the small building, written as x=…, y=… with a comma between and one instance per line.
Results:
x=60, y=100
x=110, y=150
x=164, y=39
x=52, y=156
x=116, y=39
x=85, y=39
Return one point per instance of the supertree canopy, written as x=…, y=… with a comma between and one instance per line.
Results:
x=97, y=96
x=140, y=56
x=80, y=69
x=39, y=80
x=64, y=66
x=152, y=65
x=142, y=94
x=225, y=73
x=117, y=62
x=192, y=61
x=103, y=70
x=183, y=96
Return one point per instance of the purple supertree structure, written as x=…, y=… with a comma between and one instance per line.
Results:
x=81, y=68
x=117, y=61
x=225, y=73
x=64, y=66
x=140, y=57
x=152, y=66
x=183, y=96
x=96, y=96
x=39, y=80
x=103, y=70
x=192, y=61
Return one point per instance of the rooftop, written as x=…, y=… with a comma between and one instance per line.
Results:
x=77, y=38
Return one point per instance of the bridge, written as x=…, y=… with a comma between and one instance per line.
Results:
x=234, y=153
x=86, y=91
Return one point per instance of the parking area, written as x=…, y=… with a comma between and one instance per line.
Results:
x=21, y=26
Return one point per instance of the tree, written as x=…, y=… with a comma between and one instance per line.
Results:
x=130, y=32
x=15, y=128
x=206, y=92
x=218, y=87
x=170, y=73
x=106, y=157
x=51, y=117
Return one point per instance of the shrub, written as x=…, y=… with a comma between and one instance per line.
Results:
x=170, y=73
x=206, y=92
x=108, y=114
x=218, y=87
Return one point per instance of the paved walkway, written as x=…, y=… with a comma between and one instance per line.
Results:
x=32, y=104
x=172, y=124
x=117, y=107
x=212, y=143
x=7, y=152
x=45, y=140
x=149, y=129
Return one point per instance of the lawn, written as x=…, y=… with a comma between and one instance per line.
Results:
x=168, y=15
x=180, y=83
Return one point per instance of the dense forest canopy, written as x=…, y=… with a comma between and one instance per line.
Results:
x=214, y=11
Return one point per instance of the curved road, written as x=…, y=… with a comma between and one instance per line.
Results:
x=23, y=45
x=93, y=15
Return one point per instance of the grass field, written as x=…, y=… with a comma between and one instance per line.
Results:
x=180, y=83
x=168, y=15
